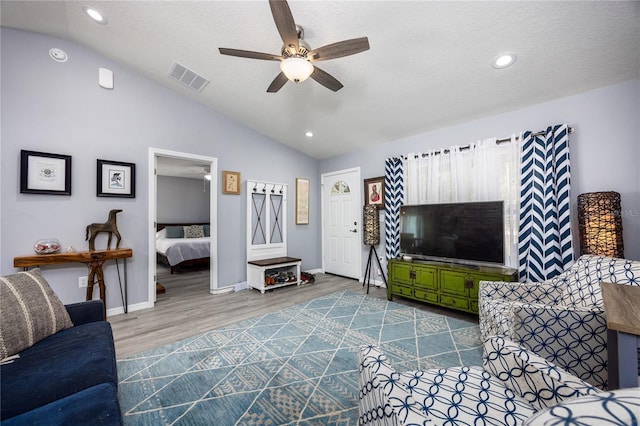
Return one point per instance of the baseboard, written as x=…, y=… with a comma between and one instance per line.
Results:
x=315, y=271
x=132, y=308
x=223, y=290
x=240, y=286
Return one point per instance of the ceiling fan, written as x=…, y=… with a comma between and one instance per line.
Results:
x=296, y=61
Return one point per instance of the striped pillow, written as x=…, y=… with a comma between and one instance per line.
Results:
x=29, y=312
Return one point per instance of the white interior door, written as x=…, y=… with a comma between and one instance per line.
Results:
x=341, y=217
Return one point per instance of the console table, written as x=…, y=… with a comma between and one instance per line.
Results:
x=453, y=285
x=623, y=333
x=94, y=261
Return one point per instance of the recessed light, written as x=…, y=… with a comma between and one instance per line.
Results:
x=309, y=134
x=504, y=60
x=95, y=15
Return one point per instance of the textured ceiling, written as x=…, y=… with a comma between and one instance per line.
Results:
x=428, y=66
x=191, y=169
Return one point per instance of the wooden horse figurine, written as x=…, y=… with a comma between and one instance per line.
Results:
x=109, y=227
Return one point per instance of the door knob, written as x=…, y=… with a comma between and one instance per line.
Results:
x=353, y=230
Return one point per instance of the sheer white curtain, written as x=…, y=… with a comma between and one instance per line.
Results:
x=487, y=171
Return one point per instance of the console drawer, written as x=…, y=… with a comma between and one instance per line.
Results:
x=427, y=296
x=401, y=290
x=454, y=302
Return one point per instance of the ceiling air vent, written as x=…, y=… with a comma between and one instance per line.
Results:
x=184, y=75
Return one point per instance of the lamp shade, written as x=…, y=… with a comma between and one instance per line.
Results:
x=296, y=69
x=371, y=225
x=600, y=224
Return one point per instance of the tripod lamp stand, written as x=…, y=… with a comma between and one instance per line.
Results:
x=371, y=237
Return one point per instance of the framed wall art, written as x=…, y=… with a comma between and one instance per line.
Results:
x=231, y=182
x=374, y=192
x=302, y=201
x=45, y=173
x=116, y=179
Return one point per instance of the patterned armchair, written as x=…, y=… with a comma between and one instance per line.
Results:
x=561, y=320
x=515, y=387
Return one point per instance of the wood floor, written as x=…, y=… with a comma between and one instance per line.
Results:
x=187, y=308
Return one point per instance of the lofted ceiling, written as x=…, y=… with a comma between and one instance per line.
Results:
x=429, y=64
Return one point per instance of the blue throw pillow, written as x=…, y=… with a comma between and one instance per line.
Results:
x=175, y=232
x=207, y=230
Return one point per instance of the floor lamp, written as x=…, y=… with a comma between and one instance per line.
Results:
x=600, y=224
x=371, y=237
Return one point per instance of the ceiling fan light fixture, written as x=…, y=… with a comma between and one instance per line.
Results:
x=296, y=69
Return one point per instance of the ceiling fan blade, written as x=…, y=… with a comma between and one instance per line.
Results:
x=249, y=54
x=285, y=23
x=326, y=79
x=277, y=83
x=339, y=49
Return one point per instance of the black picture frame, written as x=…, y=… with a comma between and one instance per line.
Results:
x=45, y=173
x=115, y=179
x=374, y=192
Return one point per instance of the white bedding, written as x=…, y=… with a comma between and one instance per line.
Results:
x=178, y=250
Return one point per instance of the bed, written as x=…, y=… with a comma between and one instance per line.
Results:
x=174, y=250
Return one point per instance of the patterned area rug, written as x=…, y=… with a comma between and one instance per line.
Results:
x=293, y=367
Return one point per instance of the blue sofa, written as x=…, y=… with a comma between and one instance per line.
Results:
x=68, y=378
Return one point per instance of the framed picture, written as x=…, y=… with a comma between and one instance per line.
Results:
x=374, y=192
x=302, y=201
x=45, y=173
x=231, y=182
x=116, y=179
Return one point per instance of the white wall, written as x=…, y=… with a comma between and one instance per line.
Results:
x=59, y=108
x=605, y=148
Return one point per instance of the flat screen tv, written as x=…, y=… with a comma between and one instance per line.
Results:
x=471, y=231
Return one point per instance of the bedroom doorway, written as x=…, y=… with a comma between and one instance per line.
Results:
x=191, y=164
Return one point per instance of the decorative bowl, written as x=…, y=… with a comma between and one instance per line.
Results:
x=47, y=246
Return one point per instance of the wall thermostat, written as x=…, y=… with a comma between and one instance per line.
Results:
x=105, y=78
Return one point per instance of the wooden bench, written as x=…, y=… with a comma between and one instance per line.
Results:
x=267, y=274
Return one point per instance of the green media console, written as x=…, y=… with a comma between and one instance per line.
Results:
x=453, y=285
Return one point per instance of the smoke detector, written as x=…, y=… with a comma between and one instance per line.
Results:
x=58, y=55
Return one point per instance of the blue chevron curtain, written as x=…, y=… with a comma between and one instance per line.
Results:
x=394, y=198
x=544, y=241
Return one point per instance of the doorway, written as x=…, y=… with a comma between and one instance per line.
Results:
x=341, y=223
x=211, y=165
